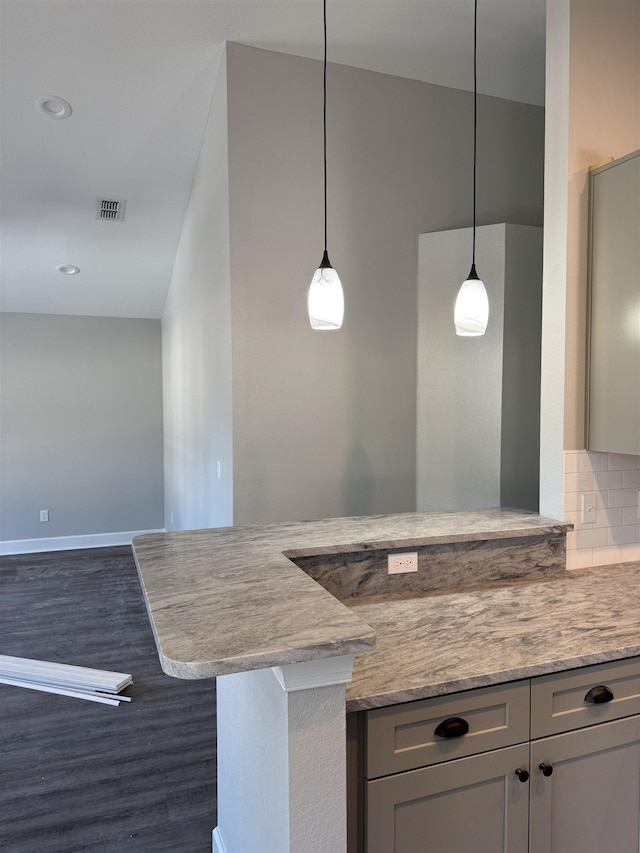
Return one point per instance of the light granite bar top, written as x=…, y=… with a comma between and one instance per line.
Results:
x=442, y=644
x=228, y=600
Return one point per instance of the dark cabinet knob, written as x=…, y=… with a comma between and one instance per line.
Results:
x=547, y=769
x=523, y=775
x=452, y=727
x=599, y=695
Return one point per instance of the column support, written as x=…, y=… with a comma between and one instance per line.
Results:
x=282, y=758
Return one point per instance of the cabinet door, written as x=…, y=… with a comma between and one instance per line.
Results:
x=614, y=363
x=591, y=802
x=470, y=805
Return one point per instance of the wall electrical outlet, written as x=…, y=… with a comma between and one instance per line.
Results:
x=588, y=508
x=399, y=563
x=44, y=515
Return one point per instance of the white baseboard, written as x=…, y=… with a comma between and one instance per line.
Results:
x=69, y=543
x=217, y=844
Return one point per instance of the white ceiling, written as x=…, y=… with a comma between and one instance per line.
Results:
x=139, y=75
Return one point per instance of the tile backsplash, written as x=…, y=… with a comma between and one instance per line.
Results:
x=614, y=535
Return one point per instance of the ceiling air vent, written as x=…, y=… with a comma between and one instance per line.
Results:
x=111, y=209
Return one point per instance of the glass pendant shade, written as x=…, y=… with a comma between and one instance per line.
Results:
x=326, y=300
x=471, y=313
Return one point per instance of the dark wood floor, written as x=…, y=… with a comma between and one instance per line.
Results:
x=78, y=776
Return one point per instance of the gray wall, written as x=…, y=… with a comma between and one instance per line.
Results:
x=80, y=425
x=459, y=387
x=325, y=423
x=479, y=398
x=520, y=450
x=196, y=345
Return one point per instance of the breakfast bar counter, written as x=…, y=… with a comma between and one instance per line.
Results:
x=231, y=599
x=286, y=615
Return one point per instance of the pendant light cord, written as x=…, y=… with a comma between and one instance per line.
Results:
x=324, y=119
x=475, y=122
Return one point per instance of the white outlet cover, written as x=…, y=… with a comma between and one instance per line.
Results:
x=398, y=564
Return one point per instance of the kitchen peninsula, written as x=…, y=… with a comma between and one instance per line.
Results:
x=491, y=603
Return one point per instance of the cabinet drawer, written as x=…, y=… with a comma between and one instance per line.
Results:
x=559, y=702
x=402, y=737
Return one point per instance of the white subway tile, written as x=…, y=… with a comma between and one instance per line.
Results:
x=606, y=556
x=611, y=517
x=581, y=482
x=572, y=518
x=623, y=497
x=631, y=479
x=630, y=552
x=579, y=559
x=608, y=480
x=593, y=461
x=629, y=515
x=592, y=538
x=621, y=535
x=622, y=461
x=572, y=540
x=572, y=461
x=572, y=502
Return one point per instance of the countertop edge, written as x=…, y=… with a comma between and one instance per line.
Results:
x=445, y=688
x=425, y=541
x=190, y=671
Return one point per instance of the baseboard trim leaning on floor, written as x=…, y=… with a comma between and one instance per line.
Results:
x=217, y=842
x=69, y=543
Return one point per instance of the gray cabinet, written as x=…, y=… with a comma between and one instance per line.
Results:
x=456, y=794
x=470, y=805
x=403, y=737
x=424, y=793
x=613, y=411
x=590, y=803
x=559, y=702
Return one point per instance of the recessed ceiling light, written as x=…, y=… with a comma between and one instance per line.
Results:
x=54, y=107
x=68, y=269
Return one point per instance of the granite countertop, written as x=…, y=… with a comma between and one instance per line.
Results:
x=445, y=643
x=228, y=600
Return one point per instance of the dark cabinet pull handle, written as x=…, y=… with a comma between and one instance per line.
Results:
x=599, y=695
x=453, y=727
x=523, y=775
x=547, y=769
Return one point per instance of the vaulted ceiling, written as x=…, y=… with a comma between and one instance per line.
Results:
x=139, y=76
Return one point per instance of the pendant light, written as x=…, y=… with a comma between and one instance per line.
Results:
x=471, y=313
x=326, y=300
